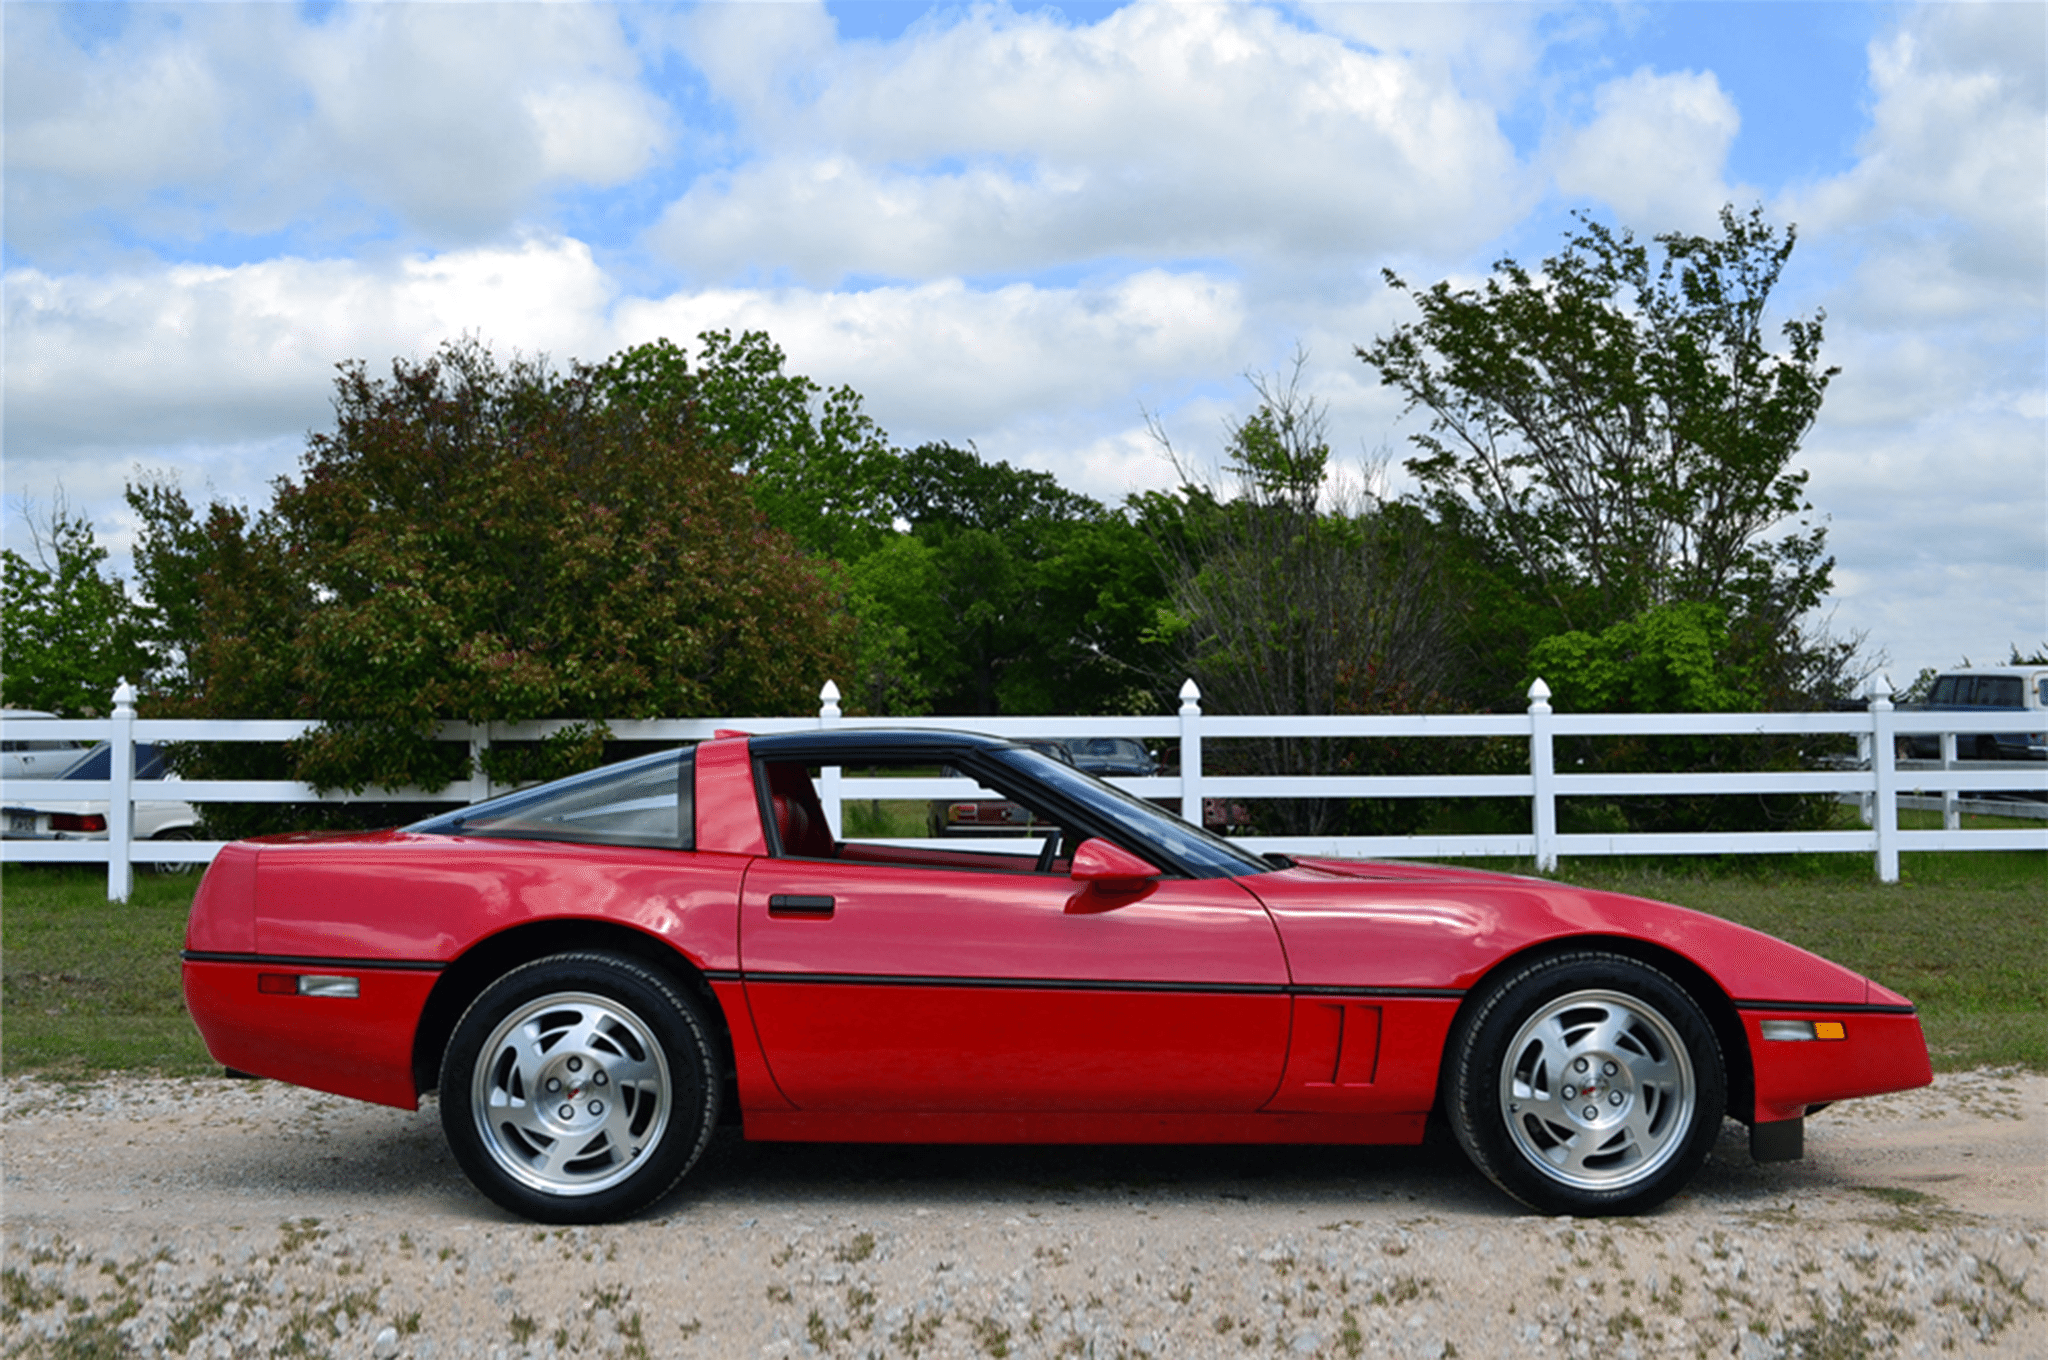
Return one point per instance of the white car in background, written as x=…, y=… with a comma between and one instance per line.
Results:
x=52, y=817
x=41, y=758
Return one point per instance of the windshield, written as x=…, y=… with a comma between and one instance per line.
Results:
x=647, y=802
x=1142, y=823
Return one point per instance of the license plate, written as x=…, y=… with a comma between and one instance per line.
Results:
x=21, y=823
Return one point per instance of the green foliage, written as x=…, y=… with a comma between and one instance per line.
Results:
x=1668, y=660
x=1613, y=433
x=975, y=609
x=68, y=631
x=1677, y=658
x=1286, y=595
x=493, y=543
x=817, y=466
x=1008, y=594
x=903, y=657
x=1099, y=587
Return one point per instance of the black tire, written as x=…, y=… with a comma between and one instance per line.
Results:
x=169, y=868
x=625, y=1063
x=1647, y=1082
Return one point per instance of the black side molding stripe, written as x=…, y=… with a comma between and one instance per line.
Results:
x=1826, y=1008
x=304, y=961
x=1089, y=985
x=1426, y=993
x=1013, y=984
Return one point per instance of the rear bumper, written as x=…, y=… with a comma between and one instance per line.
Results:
x=359, y=1046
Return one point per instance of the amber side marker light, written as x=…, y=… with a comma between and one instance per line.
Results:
x=307, y=984
x=1797, y=1030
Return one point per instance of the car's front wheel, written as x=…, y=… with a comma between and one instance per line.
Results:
x=579, y=1088
x=1586, y=1083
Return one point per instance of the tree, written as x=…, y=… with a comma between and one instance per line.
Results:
x=817, y=466
x=903, y=655
x=69, y=632
x=1674, y=658
x=1291, y=595
x=1006, y=593
x=494, y=543
x=1614, y=433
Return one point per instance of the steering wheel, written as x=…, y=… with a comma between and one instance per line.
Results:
x=1047, y=854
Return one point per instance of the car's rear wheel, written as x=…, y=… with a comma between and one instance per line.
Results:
x=579, y=1088
x=1586, y=1083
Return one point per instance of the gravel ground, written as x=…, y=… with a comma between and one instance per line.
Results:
x=230, y=1220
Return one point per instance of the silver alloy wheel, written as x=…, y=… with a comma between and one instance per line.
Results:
x=569, y=1091
x=1597, y=1089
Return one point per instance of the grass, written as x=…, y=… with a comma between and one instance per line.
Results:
x=90, y=986
x=886, y=817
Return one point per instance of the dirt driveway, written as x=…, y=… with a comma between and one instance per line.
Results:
x=232, y=1220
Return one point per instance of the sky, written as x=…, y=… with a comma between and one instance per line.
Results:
x=1032, y=229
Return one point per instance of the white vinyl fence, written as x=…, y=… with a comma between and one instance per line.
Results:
x=1878, y=780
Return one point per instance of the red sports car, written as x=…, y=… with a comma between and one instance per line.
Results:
x=596, y=972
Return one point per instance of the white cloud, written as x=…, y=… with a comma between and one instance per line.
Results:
x=1493, y=50
x=246, y=118
x=1932, y=450
x=1654, y=151
x=1004, y=142
x=119, y=367
x=1957, y=148
x=944, y=361
x=143, y=360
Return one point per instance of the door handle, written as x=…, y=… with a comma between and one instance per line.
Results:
x=791, y=904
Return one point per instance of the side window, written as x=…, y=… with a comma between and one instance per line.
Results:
x=1945, y=690
x=2041, y=692
x=647, y=802
x=1999, y=691
x=985, y=831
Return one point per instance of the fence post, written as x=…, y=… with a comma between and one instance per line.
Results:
x=1191, y=753
x=1543, y=772
x=1866, y=803
x=479, y=779
x=1951, y=796
x=828, y=782
x=121, y=796
x=1884, y=764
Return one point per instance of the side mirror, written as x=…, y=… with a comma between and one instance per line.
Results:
x=1111, y=867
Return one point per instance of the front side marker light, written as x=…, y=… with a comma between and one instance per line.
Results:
x=308, y=984
x=1797, y=1031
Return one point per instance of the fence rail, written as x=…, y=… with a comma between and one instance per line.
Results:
x=1877, y=779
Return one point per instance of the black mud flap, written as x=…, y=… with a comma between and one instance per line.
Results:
x=1781, y=1140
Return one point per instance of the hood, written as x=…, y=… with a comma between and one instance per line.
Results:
x=1361, y=923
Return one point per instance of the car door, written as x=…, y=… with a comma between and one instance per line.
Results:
x=948, y=986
